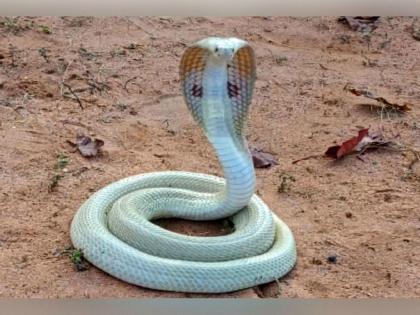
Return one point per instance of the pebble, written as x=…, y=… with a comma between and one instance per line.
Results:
x=332, y=259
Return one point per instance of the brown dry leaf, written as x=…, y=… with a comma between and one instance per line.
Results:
x=364, y=24
x=347, y=147
x=388, y=105
x=86, y=146
x=365, y=140
x=262, y=159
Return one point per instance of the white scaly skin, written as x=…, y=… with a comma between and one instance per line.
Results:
x=231, y=150
x=114, y=232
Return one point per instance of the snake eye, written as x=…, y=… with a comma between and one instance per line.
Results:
x=216, y=49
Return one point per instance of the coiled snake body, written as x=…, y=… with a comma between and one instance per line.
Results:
x=113, y=227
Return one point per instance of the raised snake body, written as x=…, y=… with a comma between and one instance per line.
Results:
x=113, y=227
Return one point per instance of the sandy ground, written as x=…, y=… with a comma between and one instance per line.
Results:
x=365, y=213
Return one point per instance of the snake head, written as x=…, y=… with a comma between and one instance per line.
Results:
x=237, y=58
x=223, y=49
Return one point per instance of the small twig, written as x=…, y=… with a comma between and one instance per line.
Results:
x=100, y=86
x=386, y=190
x=33, y=131
x=128, y=81
x=74, y=94
x=393, y=146
x=64, y=76
x=323, y=67
x=415, y=160
x=307, y=158
x=83, y=89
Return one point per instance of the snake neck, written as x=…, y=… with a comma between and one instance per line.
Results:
x=231, y=148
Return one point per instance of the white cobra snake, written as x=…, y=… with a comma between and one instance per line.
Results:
x=113, y=228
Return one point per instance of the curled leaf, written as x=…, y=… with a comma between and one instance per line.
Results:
x=262, y=159
x=388, y=105
x=86, y=146
x=338, y=151
x=365, y=140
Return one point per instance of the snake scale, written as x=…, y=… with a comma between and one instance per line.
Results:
x=114, y=230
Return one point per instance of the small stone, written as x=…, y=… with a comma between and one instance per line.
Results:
x=316, y=261
x=268, y=290
x=332, y=259
x=2, y=82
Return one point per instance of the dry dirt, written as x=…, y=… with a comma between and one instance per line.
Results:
x=125, y=72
